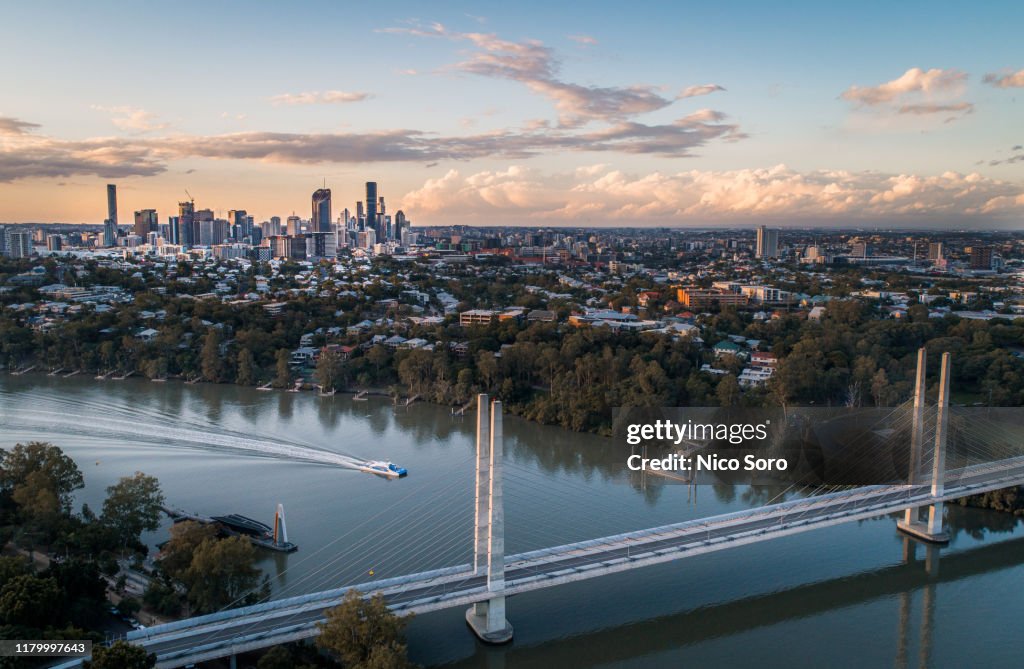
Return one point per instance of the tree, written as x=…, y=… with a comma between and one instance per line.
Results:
x=210, y=360
x=29, y=600
x=328, y=369
x=222, y=574
x=186, y=536
x=41, y=472
x=728, y=391
x=120, y=655
x=132, y=506
x=284, y=373
x=364, y=633
x=246, y=373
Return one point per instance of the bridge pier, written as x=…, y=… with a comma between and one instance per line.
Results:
x=933, y=530
x=487, y=618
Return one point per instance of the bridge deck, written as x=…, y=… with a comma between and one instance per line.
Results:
x=272, y=623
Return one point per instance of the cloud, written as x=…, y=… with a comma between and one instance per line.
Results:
x=133, y=119
x=925, y=108
x=318, y=98
x=934, y=82
x=1006, y=80
x=694, y=91
x=27, y=156
x=599, y=194
x=583, y=39
x=535, y=65
x=1017, y=156
x=13, y=126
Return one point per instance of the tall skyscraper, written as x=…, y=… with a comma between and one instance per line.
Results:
x=293, y=225
x=767, y=242
x=146, y=222
x=371, y=206
x=237, y=219
x=186, y=223
x=112, y=204
x=321, y=220
x=19, y=243
x=400, y=224
x=360, y=217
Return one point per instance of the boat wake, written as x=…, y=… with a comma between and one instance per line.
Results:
x=43, y=423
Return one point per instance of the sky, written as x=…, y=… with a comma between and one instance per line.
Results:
x=533, y=113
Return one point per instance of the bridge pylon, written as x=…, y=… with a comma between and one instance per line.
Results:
x=487, y=618
x=931, y=530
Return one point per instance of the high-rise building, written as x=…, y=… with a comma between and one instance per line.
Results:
x=109, y=233
x=321, y=220
x=360, y=216
x=53, y=243
x=860, y=249
x=371, y=207
x=767, y=242
x=112, y=205
x=981, y=257
x=174, y=230
x=19, y=243
x=237, y=223
x=400, y=224
x=293, y=225
x=936, y=251
x=146, y=222
x=186, y=223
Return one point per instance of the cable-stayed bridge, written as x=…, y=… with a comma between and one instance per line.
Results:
x=484, y=585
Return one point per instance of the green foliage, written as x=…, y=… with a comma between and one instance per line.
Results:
x=133, y=506
x=364, y=633
x=221, y=574
x=39, y=477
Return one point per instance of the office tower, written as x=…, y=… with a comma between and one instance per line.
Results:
x=145, y=222
x=360, y=216
x=174, y=230
x=237, y=222
x=860, y=249
x=400, y=224
x=981, y=257
x=3, y=240
x=109, y=233
x=19, y=243
x=275, y=225
x=186, y=223
x=371, y=206
x=767, y=243
x=345, y=215
x=112, y=206
x=53, y=243
x=936, y=251
x=293, y=225
x=152, y=238
x=321, y=220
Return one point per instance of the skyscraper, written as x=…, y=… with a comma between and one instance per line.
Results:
x=112, y=204
x=237, y=220
x=371, y=206
x=321, y=220
x=186, y=223
x=146, y=222
x=767, y=242
x=109, y=233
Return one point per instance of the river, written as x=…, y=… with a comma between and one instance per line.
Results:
x=838, y=597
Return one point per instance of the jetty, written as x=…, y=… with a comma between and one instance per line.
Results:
x=266, y=386
x=56, y=371
x=74, y=372
x=360, y=396
x=19, y=372
x=103, y=377
x=236, y=525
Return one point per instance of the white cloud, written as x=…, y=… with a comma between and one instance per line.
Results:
x=133, y=119
x=318, y=98
x=1006, y=80
x=583, y=39
x=932, y=83
x=694, y=91
x=598, y=194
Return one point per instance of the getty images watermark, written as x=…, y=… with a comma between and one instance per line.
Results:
x=812, y=446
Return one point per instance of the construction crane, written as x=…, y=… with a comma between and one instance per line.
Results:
x=190, y=198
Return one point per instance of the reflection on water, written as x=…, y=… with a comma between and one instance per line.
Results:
x=852, y=595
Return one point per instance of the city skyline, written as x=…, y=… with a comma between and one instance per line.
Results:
x=648, y=115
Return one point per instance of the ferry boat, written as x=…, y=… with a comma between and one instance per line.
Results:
x=382, y=468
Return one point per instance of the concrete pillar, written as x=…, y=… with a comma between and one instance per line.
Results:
x=933, y=531
x=483, y=460
x=233, y=662
x=487, y=619
x=496, y=526
x=917, y=434
x=939, y=461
